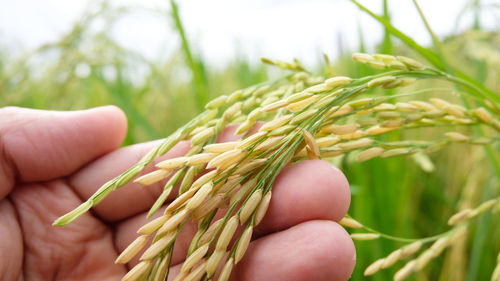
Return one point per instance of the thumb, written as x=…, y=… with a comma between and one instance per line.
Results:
x=37, y=145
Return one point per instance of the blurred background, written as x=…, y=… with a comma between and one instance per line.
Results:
x=161, y=61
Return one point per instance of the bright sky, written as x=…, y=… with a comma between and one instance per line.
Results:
x=221, y=28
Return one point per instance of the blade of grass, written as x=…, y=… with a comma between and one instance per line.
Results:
x=426, y=53
x=477, y=15
x=435, y=39
x=387, y=43
x=199, y=76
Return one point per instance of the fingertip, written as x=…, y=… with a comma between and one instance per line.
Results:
x=115, y=122
x=313, y=250
x=309, y=190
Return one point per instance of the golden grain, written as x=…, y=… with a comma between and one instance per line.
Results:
x=153, y=225
x=250, y=205
x=158, y=246
x=152, y=177
x=227, y=233
x=195, y=257
x=349, y=222
x=200, y=196
x=132, y=249
x=173, y=222
x=226, y=270
x=214, y=261
x=138, y=270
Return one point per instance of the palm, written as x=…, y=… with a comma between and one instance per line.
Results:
x=41, y=180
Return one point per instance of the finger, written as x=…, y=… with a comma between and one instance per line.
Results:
x=11, y=244
x=314, y=250
x=309, y=190
x=40, y=145
x=132, y=198
x=80, y=251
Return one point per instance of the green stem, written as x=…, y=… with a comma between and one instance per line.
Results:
x=199, y=77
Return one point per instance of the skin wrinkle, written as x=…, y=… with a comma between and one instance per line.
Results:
x=9, y=230
x=50, y=246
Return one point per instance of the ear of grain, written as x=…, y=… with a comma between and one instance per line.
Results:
x=172, y=163
x=354, y=135
x=152, y=177
x=299, y=105
x=364, y=236
x=138, y=270
x=173, y=222
x=404, y=272
x=201, y=158
x=227, y=233
x=298, y=97
x=459, y=217
x=249, y=141
x=226, y=270
x=180, y=200
x=311, y=143
x=276, y=123
x=243, y=243
x=132, y=249
x=204, y=179
x=341, y=129
x=228, y=185
x=161, y=272
x=483, y=115
x=275, y=105
x=374, y=267
x=327, y=141
x=410, y=63
x=252, y=165
x=337, y=81
x=202, y=136
x=380, y=81
x=220, y=147
x=209, y=234
x=249, y=207
x=369, y=154
x=153, y=225
x=456, y=137
x=194, y=258
x=210, y=205
x=197, y=273
x=225, y=159
x=158, y=246
x=214, y=261
x=262, y=208
x=355, y=144
x=377, y=130
x=200, y=196
x=352, y=223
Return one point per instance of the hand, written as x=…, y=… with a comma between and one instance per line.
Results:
x=51, y=161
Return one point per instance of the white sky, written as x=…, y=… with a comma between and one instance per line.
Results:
x=220, y=28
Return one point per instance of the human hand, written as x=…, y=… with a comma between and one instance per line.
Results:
x=50, y=162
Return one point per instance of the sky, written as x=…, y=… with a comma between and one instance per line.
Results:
x=222, y=29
